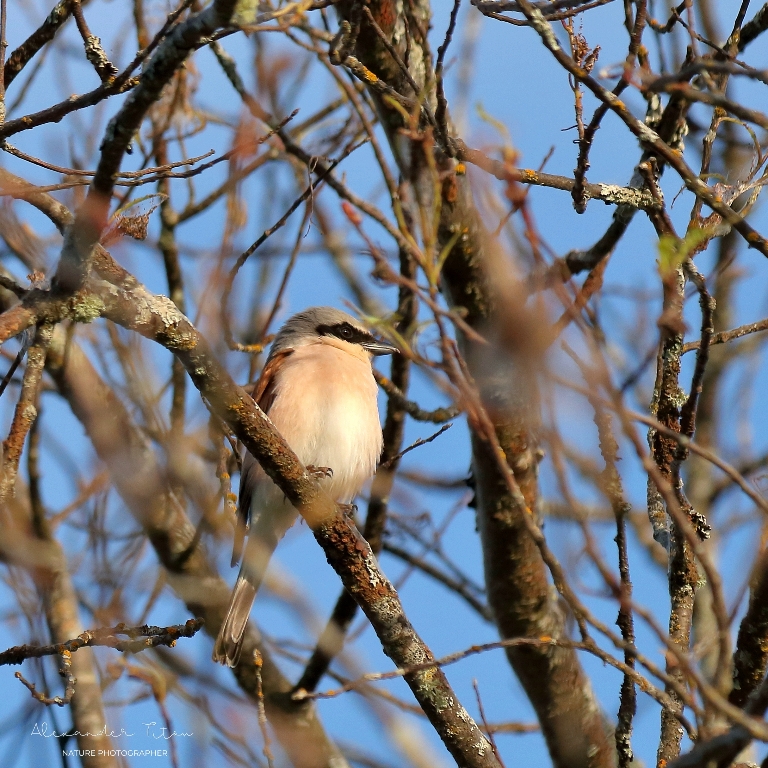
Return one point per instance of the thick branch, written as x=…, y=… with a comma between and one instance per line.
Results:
x=751, y=656
x=128, y=303
x=42, y=35
x=331, y=640
x=139, y=478
x=91, y=218
x=518, y=589
x=157, y=318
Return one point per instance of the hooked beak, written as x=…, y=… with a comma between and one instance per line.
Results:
x=380, y=348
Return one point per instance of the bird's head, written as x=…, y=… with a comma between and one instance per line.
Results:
x=327, y=325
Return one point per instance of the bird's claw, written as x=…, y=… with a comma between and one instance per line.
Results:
x=319, y=472
x=350, y=510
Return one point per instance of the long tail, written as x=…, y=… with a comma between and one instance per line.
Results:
x=229, y=642
x=265, y=533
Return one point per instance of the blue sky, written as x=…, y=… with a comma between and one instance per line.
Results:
x=518, y=83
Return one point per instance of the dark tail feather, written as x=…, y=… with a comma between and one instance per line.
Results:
x=241, y=531
x=266, y=531
x=229, y=643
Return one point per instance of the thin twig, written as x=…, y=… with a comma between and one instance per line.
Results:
x=138, y=639
x=725, y=336
x=245, y=255
x=461, y=588
x=417, y=444
x=441, y=112
x=3, y=48
x=414, y=410
x=258, y=662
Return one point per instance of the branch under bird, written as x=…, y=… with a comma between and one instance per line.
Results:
x=318, y=389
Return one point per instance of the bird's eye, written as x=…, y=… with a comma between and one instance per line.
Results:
x=346, y=332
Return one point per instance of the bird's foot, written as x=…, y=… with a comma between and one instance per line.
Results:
x=319, y=472
x=350, y=510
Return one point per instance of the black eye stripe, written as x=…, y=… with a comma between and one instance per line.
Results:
x=345, y=332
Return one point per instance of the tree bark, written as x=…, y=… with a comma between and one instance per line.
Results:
x=519, y=593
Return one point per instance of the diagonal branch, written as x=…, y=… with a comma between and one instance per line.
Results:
x=331, y=640
x=128, y=303
x=647, y=136
x=138, y=475
x=517, y=582
x=157, y=318
x=42, y=35
x=142, y=483
x=91, y=219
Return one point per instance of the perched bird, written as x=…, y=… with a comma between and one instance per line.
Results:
x=318, y=389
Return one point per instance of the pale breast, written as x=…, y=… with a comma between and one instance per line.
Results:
x=325, y=407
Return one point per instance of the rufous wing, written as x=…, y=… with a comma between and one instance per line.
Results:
x=251, y=474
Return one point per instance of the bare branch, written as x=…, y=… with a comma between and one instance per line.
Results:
x=138, y=639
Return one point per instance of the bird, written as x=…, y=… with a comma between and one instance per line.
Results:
x=318, y=389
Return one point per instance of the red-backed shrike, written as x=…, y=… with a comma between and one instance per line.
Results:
x=318, y=389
